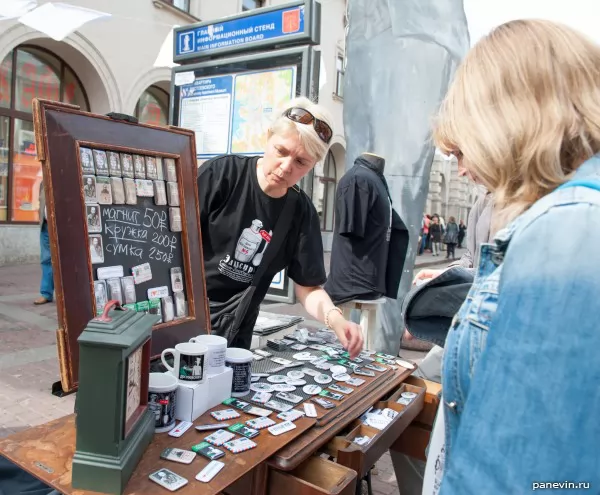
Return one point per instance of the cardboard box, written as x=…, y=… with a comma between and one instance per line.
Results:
x=219, y=387
x=195, y=400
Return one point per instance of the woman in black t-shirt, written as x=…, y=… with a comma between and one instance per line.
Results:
x=241, y=198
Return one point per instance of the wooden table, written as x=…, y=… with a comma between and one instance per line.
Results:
x=46, y=451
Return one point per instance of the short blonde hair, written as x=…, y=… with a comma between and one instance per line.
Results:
x=309, y=138
x=524, y=111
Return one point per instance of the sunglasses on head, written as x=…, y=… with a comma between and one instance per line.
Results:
x=302, y=116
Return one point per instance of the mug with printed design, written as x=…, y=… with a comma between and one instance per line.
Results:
x=215, y=358
x=189, y=364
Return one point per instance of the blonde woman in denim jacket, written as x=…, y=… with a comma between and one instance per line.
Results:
x=521, y=372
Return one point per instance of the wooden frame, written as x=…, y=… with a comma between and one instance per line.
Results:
x=60, y=129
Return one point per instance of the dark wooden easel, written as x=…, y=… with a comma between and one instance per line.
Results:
x=60, y=130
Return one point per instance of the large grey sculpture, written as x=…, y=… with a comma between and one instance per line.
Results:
x=401, y=55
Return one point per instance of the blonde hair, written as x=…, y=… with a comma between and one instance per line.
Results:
x=309, y=138
x=524, y=111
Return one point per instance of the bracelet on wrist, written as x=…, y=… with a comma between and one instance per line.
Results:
x=328, y=312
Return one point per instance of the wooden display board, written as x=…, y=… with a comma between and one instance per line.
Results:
x=120, y=194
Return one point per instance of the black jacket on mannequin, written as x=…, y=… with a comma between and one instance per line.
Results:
x=366, y=230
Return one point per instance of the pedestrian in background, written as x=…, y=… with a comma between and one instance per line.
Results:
x=435, y=234
x=47, y=282
x=451, y=238
x=462, y=231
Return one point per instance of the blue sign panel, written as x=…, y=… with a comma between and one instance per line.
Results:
x=267, y=26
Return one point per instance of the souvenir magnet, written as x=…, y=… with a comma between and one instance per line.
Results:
x=103, y=190
x=168, y=479
x=139, y=167
x=176, y=279
x=130, y=191
x=205, y=449
x=312, y=389
x=151, y=172
x=175, y=219
x=323, y=379
x=127, y=166
x=118, y=190
x=170, y=171
x=292, y=415
x=160, y=194
x=114, y=164
x=277, y=379
x=87, y=162
x=210, y=471
x=173, y=194
x=101, y=162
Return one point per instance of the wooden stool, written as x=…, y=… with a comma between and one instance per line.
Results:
x=369, y=317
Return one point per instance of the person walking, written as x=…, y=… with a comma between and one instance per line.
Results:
x=47, y=282
x=462, y=232
x=435, y=233
x=451, y=238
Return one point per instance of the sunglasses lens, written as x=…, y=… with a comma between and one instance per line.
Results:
x=323, y=130
x=300, y=115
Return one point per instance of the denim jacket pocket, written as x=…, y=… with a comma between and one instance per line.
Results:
x=479, y=318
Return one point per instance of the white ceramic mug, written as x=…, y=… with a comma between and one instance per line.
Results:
x=240, y=361
x=189, y=363
x=162, y=392
x=215, y=359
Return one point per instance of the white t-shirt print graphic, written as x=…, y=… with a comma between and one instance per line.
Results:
x=248, y=253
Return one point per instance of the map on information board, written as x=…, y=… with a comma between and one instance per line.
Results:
x=257, y=95
x=232, y=113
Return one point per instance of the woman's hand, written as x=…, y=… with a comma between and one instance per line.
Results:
x=348, y=333
x=427, y=274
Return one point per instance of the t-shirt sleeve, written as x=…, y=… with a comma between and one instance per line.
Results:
x=352, y=209
x=307, y=267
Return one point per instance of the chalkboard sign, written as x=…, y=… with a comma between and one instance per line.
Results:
x=124, y=223
x=134, y=231
x=133, y=235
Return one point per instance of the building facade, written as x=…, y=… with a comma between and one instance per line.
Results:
x=108, y=66
x=450, y=195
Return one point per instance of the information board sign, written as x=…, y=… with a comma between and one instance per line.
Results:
x=229, y=104
x=292, y=23
x=232, y=113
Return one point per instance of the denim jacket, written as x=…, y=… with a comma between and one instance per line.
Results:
x=521, y=371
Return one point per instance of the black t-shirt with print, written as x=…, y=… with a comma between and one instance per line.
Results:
x=237, y=220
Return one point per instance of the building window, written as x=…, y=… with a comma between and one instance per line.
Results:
x=340, y=68
x=26, y=73
x=179, y=4
x=153, y=107
x=252, y=4
x=324, y=191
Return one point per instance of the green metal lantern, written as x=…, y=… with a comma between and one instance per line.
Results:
x=114, y=425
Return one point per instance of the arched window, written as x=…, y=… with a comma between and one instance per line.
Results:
x=324, y=191
x=153, y=107
x=28, y=72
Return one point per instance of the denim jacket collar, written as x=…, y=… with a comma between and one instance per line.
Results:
x=590, y=169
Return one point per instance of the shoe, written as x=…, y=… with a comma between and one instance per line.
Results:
x=41, y=300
